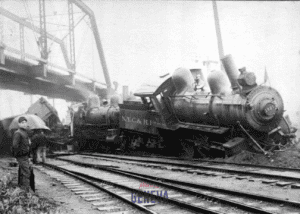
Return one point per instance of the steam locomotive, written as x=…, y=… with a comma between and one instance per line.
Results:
x=179, y=116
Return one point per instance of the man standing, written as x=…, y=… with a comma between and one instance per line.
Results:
x=20, y=150
x=39, y=143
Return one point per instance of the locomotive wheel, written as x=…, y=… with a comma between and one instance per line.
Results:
x=200, y=151
x=124, y=143
x=187, y=150
x=82, y=144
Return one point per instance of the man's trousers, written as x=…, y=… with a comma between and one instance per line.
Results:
x=24, y=172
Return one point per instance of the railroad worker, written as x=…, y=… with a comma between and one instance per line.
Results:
x=20, y=149
x=34, y=146
x=39, y=147
x=80, y=117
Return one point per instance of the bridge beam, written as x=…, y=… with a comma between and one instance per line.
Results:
x=15, y=75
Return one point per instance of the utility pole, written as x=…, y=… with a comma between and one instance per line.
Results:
x=218, y=30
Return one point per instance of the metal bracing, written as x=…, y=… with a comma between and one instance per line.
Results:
x=1, y=30
x=29, y=25
x=22, y=42
x=50, y=81
x=2, y=46
x=72, y=35
x=96, y=34
x=43, y=30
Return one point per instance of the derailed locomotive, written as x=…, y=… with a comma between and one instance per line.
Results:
x=179, y=117
x=93, y=124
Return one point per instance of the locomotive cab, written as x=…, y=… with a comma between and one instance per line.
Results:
x=158, y=100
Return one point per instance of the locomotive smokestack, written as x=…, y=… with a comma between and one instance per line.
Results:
x=231, y=71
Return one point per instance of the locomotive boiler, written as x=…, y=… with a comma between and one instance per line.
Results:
x=95, y=126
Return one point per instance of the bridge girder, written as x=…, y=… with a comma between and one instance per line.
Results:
x=29, y=78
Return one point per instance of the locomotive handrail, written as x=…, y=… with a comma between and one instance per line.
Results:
x=200, y=95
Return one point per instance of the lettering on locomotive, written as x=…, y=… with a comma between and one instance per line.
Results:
x=142, y=121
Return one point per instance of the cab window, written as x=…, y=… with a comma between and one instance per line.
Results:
x=147, y=101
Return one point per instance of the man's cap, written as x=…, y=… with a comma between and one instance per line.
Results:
x=21, y=119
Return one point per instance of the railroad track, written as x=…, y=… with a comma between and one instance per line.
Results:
x=102, y=197
x=282, y=177
x=193, y=197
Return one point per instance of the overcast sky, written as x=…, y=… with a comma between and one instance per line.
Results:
x=142, y=39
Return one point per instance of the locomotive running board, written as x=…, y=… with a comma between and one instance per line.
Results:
x=204, y=128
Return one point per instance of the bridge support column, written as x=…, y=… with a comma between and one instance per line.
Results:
x=72, y=76
x=2, y=56
x=93, y=84
x=22, y=42
x=43, y=67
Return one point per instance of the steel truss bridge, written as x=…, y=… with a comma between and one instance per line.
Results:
x=33, y=74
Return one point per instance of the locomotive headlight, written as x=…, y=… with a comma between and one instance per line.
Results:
x=267, y=108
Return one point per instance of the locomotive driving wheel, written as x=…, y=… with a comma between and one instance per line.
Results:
x=201, y=146
x=201, y=151
x=123, y=143
x=187, y=150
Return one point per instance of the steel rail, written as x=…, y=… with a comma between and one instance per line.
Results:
x=195, y=193
x=83, y=177
x=173, y=201
x=197, y=160
x=295, y=179
x=158, y=180
x=227, y=191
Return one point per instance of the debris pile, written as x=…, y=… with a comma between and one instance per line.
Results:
x=289, y=158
